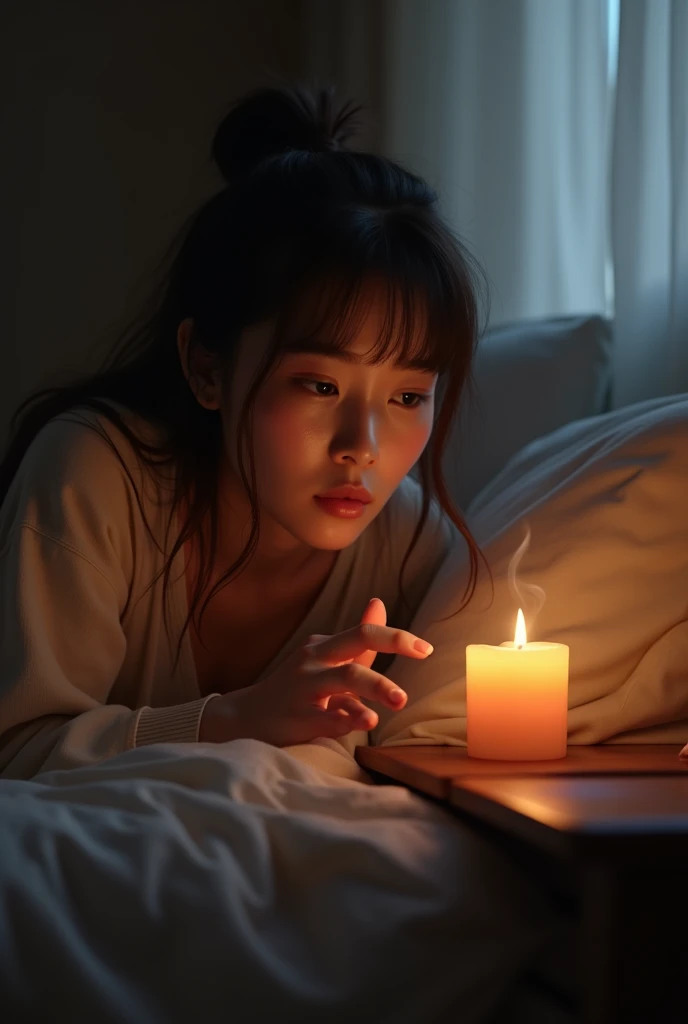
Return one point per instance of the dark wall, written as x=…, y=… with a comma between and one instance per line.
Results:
x=107, y=115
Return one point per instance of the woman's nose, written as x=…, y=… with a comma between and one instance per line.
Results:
x=357, y=440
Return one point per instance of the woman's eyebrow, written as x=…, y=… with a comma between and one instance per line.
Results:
x=323, y=349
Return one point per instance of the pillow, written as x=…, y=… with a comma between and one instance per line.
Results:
x=606, y=502
x=530, y=378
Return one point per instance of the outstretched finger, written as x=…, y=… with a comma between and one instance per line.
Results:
x=350, y=680
x=344, y=647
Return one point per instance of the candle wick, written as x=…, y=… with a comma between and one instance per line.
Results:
x=520, y=647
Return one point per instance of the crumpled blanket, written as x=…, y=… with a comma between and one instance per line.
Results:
x=201, y=882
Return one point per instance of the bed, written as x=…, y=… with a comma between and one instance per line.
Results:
x=240, y=882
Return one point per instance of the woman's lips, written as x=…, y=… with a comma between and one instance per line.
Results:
x=341, y=508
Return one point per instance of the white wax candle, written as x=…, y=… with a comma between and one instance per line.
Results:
x=517, y=699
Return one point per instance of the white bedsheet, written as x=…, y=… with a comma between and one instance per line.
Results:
x=235, y=883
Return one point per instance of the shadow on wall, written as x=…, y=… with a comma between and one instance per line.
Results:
x=107, y=151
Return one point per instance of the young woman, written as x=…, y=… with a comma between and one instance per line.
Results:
x=190, y=538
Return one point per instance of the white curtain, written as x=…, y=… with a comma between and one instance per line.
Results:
x=572, y=192
x=649, y=200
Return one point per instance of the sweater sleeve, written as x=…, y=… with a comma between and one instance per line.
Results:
x=66, y=556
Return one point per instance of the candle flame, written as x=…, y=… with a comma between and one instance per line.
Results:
x=520, y=638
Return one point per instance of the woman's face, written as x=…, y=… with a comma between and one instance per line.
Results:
x=321, y=422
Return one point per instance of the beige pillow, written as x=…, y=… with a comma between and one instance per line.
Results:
x=530, y=378
x=606, y=502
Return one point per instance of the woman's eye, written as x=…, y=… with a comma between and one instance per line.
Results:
x=318, y=384
x=419, y=399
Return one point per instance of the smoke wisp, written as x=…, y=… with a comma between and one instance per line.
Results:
x=528, y=596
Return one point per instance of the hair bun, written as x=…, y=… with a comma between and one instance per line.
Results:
x=275, y=120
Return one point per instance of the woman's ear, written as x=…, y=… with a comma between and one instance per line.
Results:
x=199, y=367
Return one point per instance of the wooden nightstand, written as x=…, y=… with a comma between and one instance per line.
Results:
x=609, y=824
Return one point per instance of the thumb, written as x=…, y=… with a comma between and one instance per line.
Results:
x=375, y=613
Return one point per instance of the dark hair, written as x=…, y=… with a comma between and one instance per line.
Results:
x=300, y=216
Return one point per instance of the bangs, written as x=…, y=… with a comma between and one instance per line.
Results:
x=413, y=286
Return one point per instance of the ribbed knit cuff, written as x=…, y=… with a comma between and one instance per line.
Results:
x=176, y=724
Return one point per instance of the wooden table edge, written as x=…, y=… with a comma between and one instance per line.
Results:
x=380, y=761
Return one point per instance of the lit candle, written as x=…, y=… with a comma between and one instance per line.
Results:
x=517, y=699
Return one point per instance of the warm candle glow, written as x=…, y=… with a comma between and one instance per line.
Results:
x=517, y=698
x=520, y=638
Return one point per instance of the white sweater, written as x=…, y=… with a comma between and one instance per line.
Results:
x=86, y=664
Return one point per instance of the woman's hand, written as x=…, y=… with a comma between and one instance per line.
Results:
x=684, y=752
x=376, y=614
x=318, y=690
